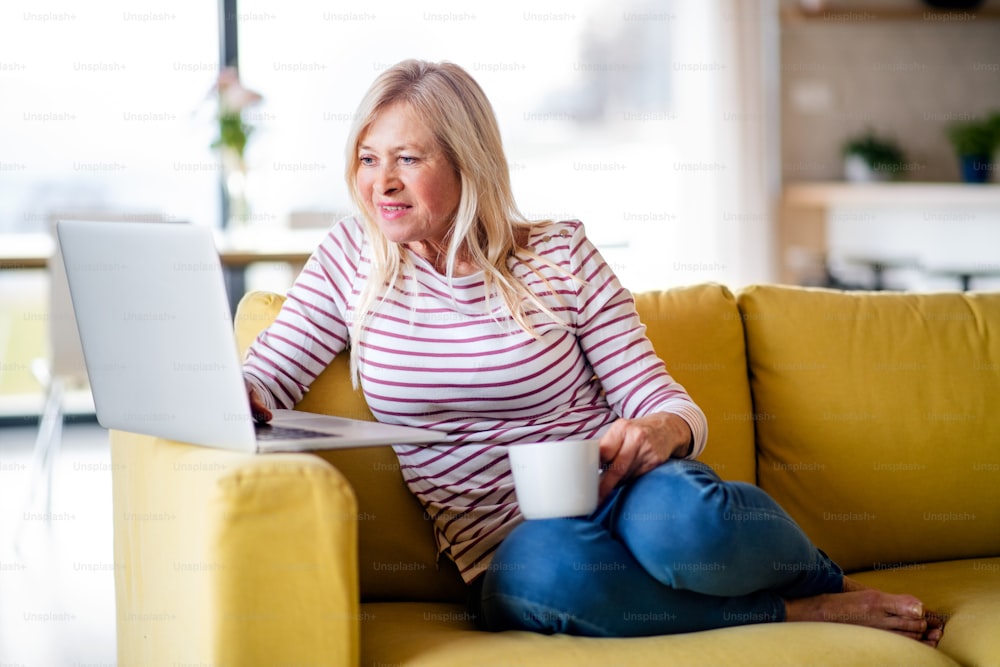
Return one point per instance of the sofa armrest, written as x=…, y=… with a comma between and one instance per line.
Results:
x=229, y=558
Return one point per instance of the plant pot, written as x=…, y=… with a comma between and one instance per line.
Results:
x=976, y=168
x=857, y=170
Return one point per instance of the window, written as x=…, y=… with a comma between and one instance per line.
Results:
x=104, y=107
x=624, y=115
x=606, y=109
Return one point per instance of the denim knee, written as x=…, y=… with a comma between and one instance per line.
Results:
x=691, y=530
x=675, y=515
x=540, y=571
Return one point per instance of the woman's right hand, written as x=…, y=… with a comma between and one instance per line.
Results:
x=260, y=412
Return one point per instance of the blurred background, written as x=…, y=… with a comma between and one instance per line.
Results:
x=738, y=141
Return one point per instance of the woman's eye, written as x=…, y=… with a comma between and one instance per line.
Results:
x=367, y=160
x=407, y=159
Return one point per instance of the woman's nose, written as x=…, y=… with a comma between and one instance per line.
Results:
x=387, y=181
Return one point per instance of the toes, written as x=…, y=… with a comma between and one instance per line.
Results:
x=922, y=638
x=908, y=626
x=931, y=638
x=935, y=620
x=905, y=606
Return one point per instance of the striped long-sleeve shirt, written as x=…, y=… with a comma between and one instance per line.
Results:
x=433, y=356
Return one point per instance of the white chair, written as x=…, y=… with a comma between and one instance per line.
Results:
x=63, y=372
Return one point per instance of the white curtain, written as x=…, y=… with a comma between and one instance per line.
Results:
x=732, y=189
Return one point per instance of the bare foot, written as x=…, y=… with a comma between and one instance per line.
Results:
x=903, y=614
x=935, y=621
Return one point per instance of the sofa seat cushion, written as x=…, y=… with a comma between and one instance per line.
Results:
x=412, y=634
x=967, y=591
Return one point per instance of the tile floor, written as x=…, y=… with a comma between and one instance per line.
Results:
x=57, y=605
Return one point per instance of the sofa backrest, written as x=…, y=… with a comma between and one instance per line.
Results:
x=697, y=331
x=878, y=419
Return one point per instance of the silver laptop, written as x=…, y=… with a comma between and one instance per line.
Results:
x=158, y=342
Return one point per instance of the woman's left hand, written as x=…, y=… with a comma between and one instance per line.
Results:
x=633, y=447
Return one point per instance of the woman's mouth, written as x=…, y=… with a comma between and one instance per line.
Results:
x=392, y=211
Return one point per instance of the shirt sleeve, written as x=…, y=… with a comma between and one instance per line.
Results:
x=311, y=328
x=635, y=380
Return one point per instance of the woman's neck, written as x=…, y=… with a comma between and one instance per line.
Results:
x=437, y=255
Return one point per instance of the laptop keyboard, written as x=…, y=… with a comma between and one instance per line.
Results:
x=266, y=432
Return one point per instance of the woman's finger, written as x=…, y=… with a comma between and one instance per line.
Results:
x=258, y=410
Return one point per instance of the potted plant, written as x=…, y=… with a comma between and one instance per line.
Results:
x=869, y=157
x=234, y=131
x=975, y=141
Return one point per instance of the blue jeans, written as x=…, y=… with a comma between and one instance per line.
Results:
x=675, y=550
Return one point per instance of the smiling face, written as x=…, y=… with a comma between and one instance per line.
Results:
x=407, y=183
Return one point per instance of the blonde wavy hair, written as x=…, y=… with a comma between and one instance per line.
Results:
x=488, y=226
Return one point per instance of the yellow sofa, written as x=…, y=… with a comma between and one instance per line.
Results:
x=873, y=418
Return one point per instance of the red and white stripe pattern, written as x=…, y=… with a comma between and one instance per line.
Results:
x=445, y=357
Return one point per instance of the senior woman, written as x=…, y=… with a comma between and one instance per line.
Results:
x=463, y=317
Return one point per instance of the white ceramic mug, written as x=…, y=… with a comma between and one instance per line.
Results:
x=556, y=479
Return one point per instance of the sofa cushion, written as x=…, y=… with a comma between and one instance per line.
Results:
x=698, y=333
x=442, y=635
x=876, y=419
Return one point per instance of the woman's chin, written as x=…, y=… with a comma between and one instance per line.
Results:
x=394, y=231
x=399, y=237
